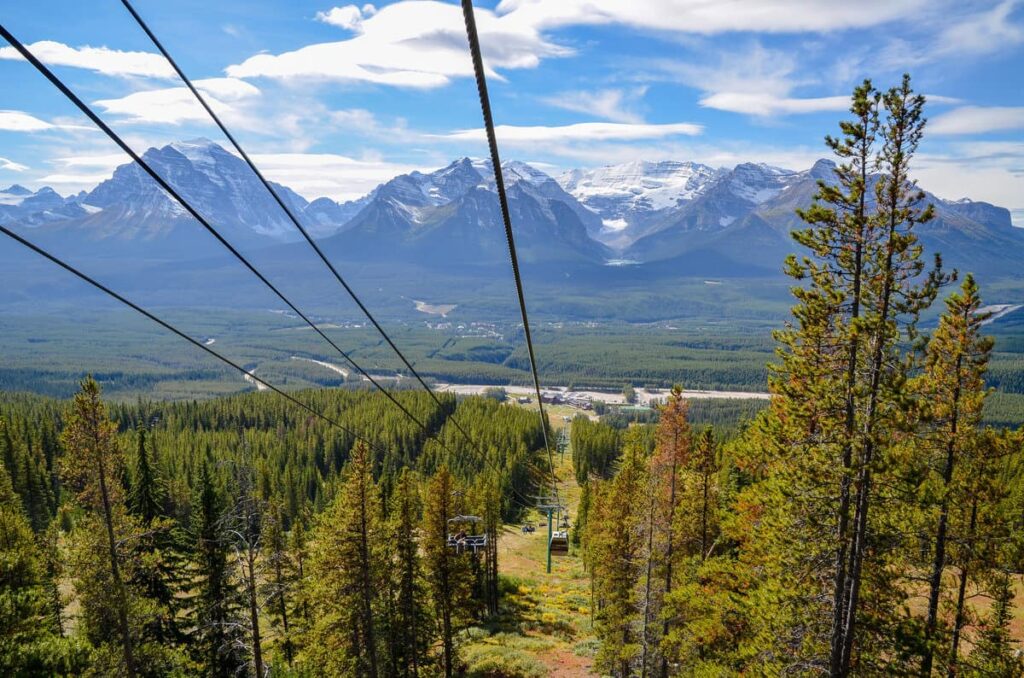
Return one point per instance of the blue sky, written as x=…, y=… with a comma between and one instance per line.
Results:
x=332, y=99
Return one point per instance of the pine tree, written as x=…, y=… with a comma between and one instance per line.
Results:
x=244, y=525
x=280, y=585
x=841, y=236
x=995, y=654
x=411, y=627
x=952, y=391
x=30, y=641
x=617, y=541
x=216, y=610
x=447, y=571
x=346, y=571
x=671, y=456
x=92, y=465
x=148, y=493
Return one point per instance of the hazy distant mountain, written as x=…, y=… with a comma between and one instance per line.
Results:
x=20, y=205
x=452, y=216
x=129, y=211
x=743, y=218
x=672, y=217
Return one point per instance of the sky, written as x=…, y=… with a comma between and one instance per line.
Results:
x=333, y=99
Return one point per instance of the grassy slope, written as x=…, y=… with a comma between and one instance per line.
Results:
x=545, y=625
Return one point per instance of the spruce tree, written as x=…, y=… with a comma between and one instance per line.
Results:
x=216, y=607
x=617, y=542
x=411, y=625
x=30, y=640
x=951, y=389
x=92, y=466
x=346, y=569
x=447, y=571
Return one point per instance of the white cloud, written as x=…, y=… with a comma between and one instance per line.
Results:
x=704, y=17
x=769, y=105
x=981, y=33
x=74, y=182
x=978, y=120
x=12, y=166
x=611, y=104
x=995, y=173
x=17, y=121
x=582, y=131
x=100, y=59
x=419, y=44
x=104, y=162
x=349, y=17
x=325, y=174
x=176, y=105
x=752, y=80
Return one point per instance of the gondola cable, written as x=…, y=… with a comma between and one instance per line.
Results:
x=88, y=112
x=163, y=184
x=171, y=328
x=195, y=342
x=492, y=142
x=287, y=210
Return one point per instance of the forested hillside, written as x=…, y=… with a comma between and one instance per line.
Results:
x=242, y=535
x=867, y=522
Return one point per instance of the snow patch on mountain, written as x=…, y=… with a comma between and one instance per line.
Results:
x=614, y=190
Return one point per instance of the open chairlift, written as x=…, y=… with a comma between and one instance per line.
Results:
x=459, y=538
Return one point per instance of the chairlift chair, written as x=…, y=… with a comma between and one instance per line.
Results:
x=459, y=538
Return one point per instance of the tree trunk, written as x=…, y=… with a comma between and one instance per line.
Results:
x=860, y=526
x=115, y=574
x=644, y=639
x=254, y=617
x=669, y=547
x=939, y=563
x=958, y=623
x=367, y=584
x=843, y=521
x=283, y=603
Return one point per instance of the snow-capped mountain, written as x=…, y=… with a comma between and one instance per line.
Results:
x=672, y=216
x=20, y=205
x=451, y=216
x=742, y=221
x=628, y=197
x=130, y=208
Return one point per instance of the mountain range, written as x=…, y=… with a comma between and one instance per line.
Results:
x=680, y=217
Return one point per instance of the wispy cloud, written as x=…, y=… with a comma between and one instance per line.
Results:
x=99, y=59
x=583, y=131
x=12, y=166
x=984, y=32
x=769, y=105
x=700, y=16
x=752, y=80
x=978, y=120
x=325, y=174
x=616, y=105
x=19, y=121
x=177, y=105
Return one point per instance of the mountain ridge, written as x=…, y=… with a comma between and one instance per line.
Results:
x=642, y=211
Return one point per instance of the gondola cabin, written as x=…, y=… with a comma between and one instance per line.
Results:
x=560, y=543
